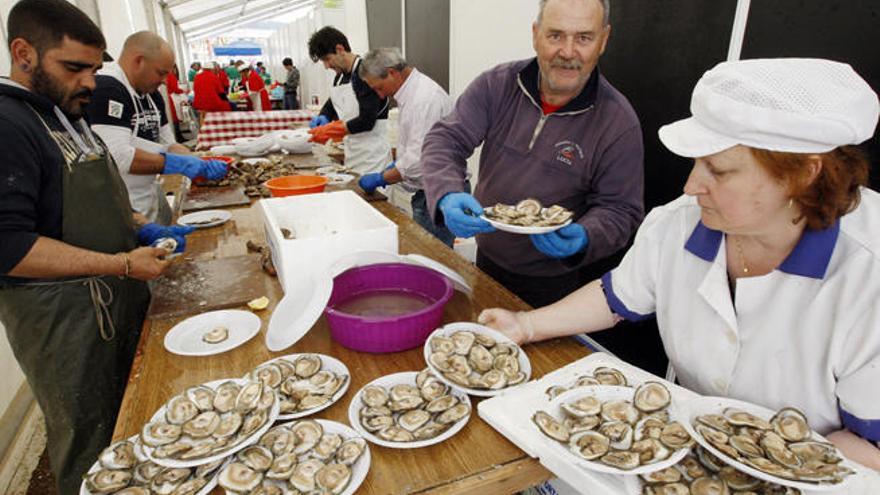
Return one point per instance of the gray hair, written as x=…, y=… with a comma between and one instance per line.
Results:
x=606, y=7
x=375, y=63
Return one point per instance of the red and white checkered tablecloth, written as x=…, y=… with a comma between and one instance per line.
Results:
x=220, y=128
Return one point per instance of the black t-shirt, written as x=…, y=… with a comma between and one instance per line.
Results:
x=112, y=104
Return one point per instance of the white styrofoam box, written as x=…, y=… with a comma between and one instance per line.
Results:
x=326, y=226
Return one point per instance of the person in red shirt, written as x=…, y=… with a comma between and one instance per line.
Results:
x=208, y=91
x=221, y=75
x=255, y=86
x=173, y=87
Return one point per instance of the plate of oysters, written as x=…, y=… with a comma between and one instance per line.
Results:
x=476, y=359
x=208, y=422
x=123, y=468
x=779, y=446
x=617, y=430
x=528, y=216
x=701, y=473
x=305, y=383
x=212, y=332
x=408, y=410
x=304, y=456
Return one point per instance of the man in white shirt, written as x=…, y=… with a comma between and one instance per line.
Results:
x=128, y=113
x=422, y=102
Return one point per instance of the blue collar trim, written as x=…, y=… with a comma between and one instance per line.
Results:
x=809, y=258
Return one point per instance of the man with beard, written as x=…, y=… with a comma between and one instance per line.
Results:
x=128, y=112
x=72, y=290
x=552, y=128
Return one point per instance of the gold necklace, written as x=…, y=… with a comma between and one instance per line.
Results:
x=742, y=258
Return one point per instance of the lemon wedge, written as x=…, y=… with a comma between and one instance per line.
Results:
x=259, y=303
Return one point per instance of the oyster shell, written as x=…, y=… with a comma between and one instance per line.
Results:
x=414, y=419
x=620, y=410
x=550, y=426
x=609, y=376
x=119, y=455
x=303, y=477
x=326, y=447
x=667, y=475
x=282, y=466
x=256, y=457
x=675, y=436
x=403, y=391
x=651, y=396
x=709, y=486
x=529, y=206
x=650, y=450
x=107, y=480
x=229, y=425
x=430, y=430
x=442, y=345
x=586, y=406
x=225, y=395
x=333, y=478
x=454, y=413
x=158, y=433
x=203, y=425
x=396, y=434
x=215, y=335
x=145, y=471
x=248, y=397
x=742, y=418
x=462, y=342
x=480, y=359
x=433, y=389
x=202, y=396
x=374, y=396
x=585, y=423
x=621, y=459
x=791, y=424
x=168, y=480
x=307, y=365
x=589, y=445
x=238, y=477
x=350, y=451
x=269, y=374
x=619, y=432
x=180, y=409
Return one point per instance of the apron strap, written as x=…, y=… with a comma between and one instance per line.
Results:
x=102, y=298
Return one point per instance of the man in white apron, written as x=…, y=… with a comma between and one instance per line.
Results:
x=128, y=113
x=354, y=114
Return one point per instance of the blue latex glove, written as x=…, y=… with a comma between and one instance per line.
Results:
x=370, y=182
x=152, y=232
x=461, y=213
x=318, y=121
x=213, y=169
x=562, y=243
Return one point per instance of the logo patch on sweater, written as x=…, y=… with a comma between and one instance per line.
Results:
x=114, y=109
x=568, y=151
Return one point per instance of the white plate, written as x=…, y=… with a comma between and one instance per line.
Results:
x=387, y=382
x=605, y=393
x=185, y=338
x=327, y=363
x=359, y=469
x=524, y=365
x=213, y=217
x=337, y=179
x=715, y=405
x=159, y=415
x=520, y=229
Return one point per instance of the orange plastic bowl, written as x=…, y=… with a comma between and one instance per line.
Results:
x=225, y=159
x=290, y=185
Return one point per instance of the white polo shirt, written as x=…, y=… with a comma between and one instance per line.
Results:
x=422, y=103
x=805, y=335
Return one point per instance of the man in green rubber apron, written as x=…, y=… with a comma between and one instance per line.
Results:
x=72, y=277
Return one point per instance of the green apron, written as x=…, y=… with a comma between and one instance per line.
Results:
x=75, y=338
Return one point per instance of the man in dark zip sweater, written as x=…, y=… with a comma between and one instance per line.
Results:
x=552, y=128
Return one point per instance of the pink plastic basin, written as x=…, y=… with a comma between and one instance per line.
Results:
x=387, y=333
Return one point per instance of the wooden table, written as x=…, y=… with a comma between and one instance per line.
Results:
x=477, y=460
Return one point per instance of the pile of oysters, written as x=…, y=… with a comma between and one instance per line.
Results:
x=252, y=174
x=528, y=213
x=300, y=456
x=122, y=469
x=302, y=383
x=206, y=421
x=408, y=412
x=476, y=361
x=701, y=473
x=782, y=447
x=623, y=434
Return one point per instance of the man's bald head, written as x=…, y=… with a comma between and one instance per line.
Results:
x=146, y=59
x=146, y=43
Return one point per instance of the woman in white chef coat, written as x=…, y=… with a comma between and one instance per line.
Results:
x=765, y=276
